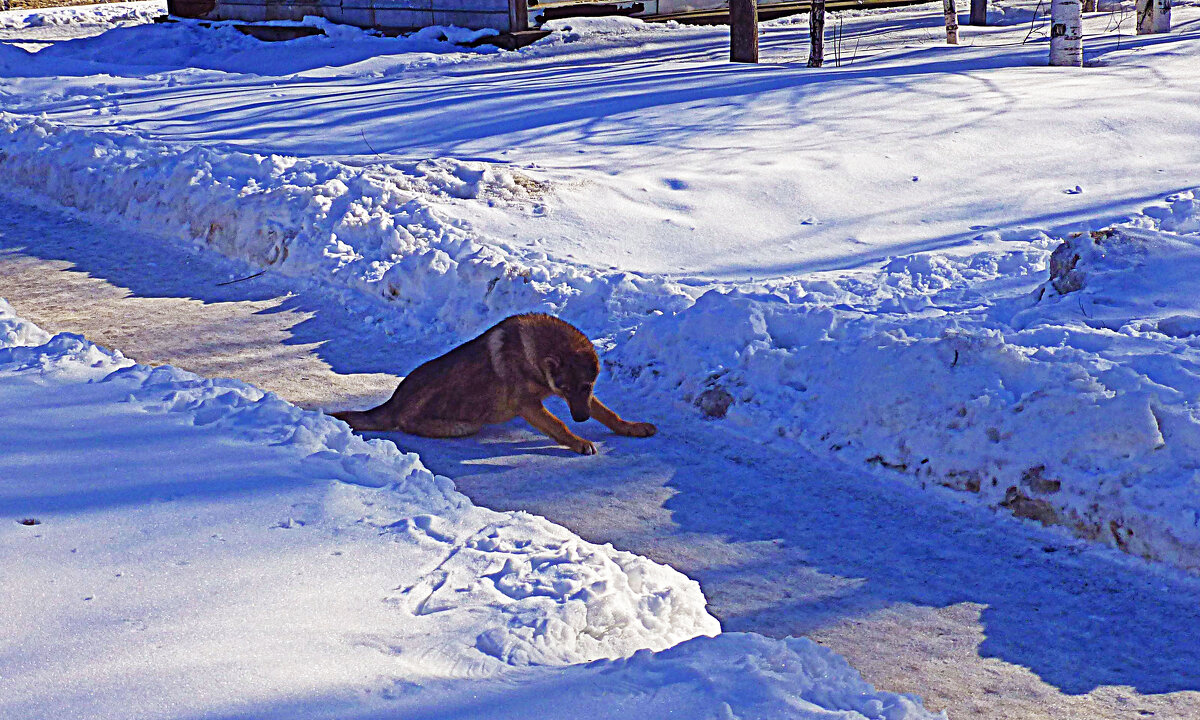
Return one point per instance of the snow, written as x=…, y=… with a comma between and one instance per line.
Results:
x=1077, y=409
x=383, y=229
x=108, y=14
x=934, y=365
x=887, y=263
x=191, y=546
x=33, y=30
x=678, y=145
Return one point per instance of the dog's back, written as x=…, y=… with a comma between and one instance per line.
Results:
x=485, y=380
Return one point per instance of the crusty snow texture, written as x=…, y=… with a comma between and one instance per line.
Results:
x=104, y=14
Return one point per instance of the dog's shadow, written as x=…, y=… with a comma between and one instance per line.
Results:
x=495, y=448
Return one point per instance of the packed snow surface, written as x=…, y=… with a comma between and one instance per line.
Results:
x=182, y=546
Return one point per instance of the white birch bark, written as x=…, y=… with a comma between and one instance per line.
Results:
x=1153, y=16
x=951, y=22
x=1066, y=33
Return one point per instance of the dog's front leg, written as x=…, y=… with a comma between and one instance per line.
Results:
x=614, y=422
x=538, y=416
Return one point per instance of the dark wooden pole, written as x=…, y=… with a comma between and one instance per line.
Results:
x=743, y=31
x=816, y=33
x=978, y=13
x=518, y=15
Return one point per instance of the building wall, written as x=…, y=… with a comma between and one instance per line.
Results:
x=387, y=14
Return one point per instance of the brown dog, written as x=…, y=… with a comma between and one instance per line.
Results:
x=504, y=373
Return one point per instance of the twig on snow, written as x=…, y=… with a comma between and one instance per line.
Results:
x=248, y=277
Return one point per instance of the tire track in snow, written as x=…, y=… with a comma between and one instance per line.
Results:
x=984, y=615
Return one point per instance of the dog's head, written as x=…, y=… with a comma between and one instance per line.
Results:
x=573, y=375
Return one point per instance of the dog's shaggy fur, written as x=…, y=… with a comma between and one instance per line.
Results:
x=504, y=373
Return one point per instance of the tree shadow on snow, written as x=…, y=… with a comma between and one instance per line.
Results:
x=484, y=107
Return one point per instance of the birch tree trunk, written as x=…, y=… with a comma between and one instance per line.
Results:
x=1153, y=16
x=1066, y=33
x=743, y=31
x=951, y=22
x=816, y=33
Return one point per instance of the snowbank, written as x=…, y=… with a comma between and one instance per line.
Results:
x=197, y=546
x=104, y=14
x=760, y=679
x=388, y=230
x=950, y=369
x=192, y=47
x=1073, y=401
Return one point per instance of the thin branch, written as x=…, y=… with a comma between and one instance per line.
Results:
x=368, y=144
x=248, y=277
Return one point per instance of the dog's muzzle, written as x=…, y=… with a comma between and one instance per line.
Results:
x=579, y=411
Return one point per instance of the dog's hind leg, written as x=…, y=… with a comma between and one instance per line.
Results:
x=439, y=428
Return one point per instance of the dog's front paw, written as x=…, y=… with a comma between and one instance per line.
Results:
x=583, y=447
x=638, y=429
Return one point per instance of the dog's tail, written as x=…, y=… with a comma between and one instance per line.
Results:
x=368, y=420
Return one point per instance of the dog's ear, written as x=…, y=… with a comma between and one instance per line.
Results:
x=550, y=364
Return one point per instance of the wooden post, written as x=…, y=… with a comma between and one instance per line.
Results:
x=518, y=15
x=816, y=33
x=743, y=31
x=951, y=22
x=979, y=12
